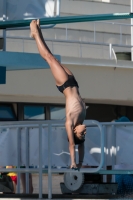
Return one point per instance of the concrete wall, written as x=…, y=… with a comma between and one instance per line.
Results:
x=98, y=83
x=74, y=49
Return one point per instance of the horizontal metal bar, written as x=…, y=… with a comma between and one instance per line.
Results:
x=93, y=170
x=114, y=23
x=115, y=171
x=64, y=170
x=30, y=126
x=104, y=22
x=66, y=19
x=19, y=170
x=117, y=123
x=56, y=123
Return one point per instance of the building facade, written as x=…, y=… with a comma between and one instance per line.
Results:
x=98, y=53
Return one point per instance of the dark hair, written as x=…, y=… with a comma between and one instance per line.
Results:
x=77, y=140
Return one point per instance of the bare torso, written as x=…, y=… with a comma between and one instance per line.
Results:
x=75, y=106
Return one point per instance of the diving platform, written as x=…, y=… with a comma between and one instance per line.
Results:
x=20, y=61
x=23, y=61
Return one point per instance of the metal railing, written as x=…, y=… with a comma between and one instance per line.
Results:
x=52, y=123
x=111, y=46
x=50, y=170
x=111, y=51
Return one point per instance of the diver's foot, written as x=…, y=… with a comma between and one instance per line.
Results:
x=34, y=26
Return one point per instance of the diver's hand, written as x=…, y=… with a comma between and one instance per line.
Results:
x=79, y=165
x=75, y=167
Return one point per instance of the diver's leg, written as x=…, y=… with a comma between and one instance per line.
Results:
x=58, y=71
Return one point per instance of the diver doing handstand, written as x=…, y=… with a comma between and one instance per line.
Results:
x=66, y=84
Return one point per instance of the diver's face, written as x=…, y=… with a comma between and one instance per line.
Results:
x=80, y=131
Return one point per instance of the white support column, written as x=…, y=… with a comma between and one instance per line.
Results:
x=132, y=31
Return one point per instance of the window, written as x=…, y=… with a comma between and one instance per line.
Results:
x=7, y=113
x=34, y=112
x=57, y=112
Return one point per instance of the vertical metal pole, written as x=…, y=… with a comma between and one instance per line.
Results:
x=66, y=33
x=52, y=47
x=80, y=51
x=105, y=153
x=18, y=156
x=49, y=162
x=102, y=144
x=110, y=51
x=132, y=31
x=27, y=159
x=40, y=161
x=23, y=45
x=4, y=19
x=113, y=149
x=120, y=34
x=94, y=32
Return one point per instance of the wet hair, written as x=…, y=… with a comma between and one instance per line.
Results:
x=77, y=140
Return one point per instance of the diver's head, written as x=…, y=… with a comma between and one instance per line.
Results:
x=79, y=133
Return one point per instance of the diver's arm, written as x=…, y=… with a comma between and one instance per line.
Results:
x=69, y=129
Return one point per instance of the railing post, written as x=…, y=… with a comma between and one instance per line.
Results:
x=80, y=50
x=23, y=45
x=27, y=158
x=18, y=156
x=52, y=47
x=66, y=33
x=40, y=161
x=113, y=149
x=110, y=51
x=49, y=161
x=94, y=32
x=120, y=34
x=105, y=153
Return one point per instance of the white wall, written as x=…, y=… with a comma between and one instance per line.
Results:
x=98, y=84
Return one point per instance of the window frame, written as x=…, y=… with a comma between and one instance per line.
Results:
x=13, y=111
x=33, y=104
x=55, y=105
